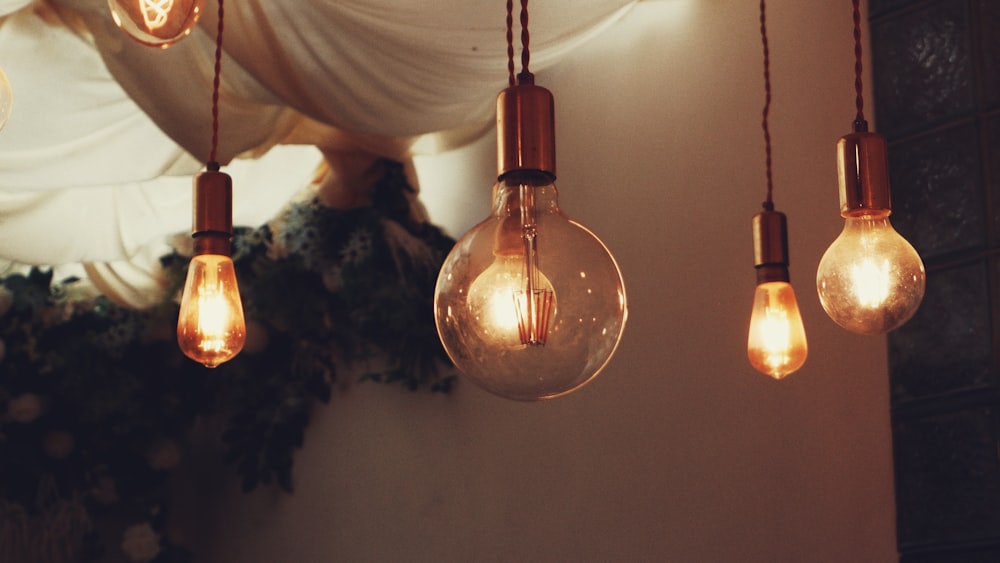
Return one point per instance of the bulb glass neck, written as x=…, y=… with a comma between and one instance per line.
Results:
x=863, y=165
x=770, y=246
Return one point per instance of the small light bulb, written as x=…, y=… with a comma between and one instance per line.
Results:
x=156, y=23
x=776, y=344
x=776, y=341
x=870, y=280
x=511, y=314
x=211, y=328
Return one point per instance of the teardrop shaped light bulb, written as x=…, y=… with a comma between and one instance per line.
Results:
x=156, y=23
x=776, y=343
x=211, y=328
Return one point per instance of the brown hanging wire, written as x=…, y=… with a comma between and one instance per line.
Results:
x=770, y=227
x=769, y=201
x=525, y=76
x=859, y=122
x=212, y=223
x=213, y=164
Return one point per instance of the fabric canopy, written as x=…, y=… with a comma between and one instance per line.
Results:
x=105, y=133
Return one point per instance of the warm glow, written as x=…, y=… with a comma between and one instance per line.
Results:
x=529, y=304
x=211, y=329
x=776, y=344
x=157, y=23
x=155, y=12
x=499, y=304
x=870, y=280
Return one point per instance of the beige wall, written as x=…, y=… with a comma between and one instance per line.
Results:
x=679, y=451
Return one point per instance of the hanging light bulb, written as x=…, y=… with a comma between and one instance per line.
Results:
x=529, y=304
x=156, y=23
x=211, y=328
x=870, y=280
x=776, y=343
x=6, y=99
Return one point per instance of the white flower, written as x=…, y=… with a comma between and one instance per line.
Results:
x=105, y=490
x=164, y=455
x=333, y=279
x=141, y=543
x=24, y=408
x=6, y=300
x=58, y=444
x=257, y=337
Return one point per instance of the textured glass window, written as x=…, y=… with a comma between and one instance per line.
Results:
x=947, y=346
x=937, y=195
x=923, y=70
x=947, y=478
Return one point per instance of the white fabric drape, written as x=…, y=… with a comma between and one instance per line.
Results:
x=105, y=133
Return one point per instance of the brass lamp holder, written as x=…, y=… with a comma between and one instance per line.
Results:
x=863, y=165
x=770, y=245
x=526, y=129
x=213, y=216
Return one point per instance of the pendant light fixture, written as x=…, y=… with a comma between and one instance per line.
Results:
x=870, y=280
x=157, y=23
x=776, y=343
x=529, y=304
x=211, y=328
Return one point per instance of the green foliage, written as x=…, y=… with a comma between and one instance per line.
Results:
x=97, y=402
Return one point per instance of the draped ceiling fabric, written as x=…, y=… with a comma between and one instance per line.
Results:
x=105, y=134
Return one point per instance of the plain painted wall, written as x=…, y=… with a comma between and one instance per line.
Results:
x=679, y=451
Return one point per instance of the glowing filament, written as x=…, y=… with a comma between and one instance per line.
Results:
x=871, y=282
x=155, y=13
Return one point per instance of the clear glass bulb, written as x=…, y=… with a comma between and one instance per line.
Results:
x=6, y=99
x=211, y=329
x=529, y=304
x=870, y=280
x=157, y=23
x=776, y=344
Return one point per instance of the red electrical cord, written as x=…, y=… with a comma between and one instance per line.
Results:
x=213, y=164
x=859, y=121
x=768, y=202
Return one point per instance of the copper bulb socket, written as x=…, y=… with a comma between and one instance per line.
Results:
x=863, y=165
x=770, y=246
x=213, y=212
x=526, y=130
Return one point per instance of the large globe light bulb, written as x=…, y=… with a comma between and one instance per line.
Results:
x=870, y=280
x=776, y=341
x=529, y=304
x=156, y=23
